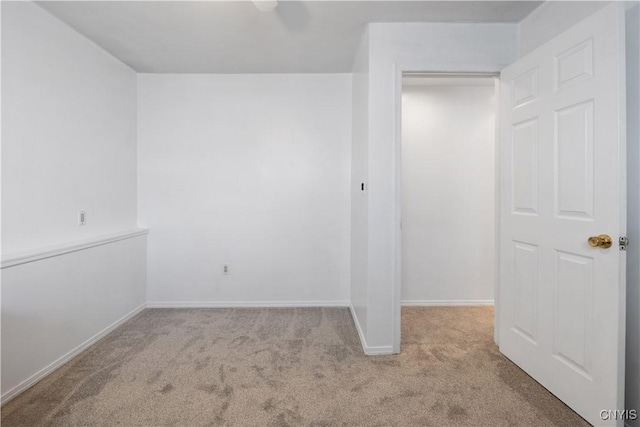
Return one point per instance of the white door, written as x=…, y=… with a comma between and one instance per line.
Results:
x=562, y=154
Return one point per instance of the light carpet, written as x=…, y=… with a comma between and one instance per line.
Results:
x=290, y=367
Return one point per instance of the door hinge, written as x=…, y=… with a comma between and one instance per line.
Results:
x=623, y=242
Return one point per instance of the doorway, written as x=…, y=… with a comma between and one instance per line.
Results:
x=417, y=95
x=558, y=213
x=449, y=191
x=448, y=188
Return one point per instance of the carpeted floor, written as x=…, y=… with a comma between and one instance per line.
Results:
x=279, y=367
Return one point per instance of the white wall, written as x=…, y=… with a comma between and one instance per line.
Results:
x=249, y=170
x=448, y=192
x=633, y=216
x=69, y=133
x=68, y=143
x=552, y=18
x=359, y=176
x=412, y=47
x=55, y=307
x=549, y=20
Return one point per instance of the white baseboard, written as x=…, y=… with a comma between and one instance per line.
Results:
x=368, y=350
x=38, y=376
x=234, y=304
x=436, y=303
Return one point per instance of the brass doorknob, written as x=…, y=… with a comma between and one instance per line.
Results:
x=602, y=241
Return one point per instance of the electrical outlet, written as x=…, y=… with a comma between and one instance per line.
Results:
x=225, y=269
x=82, y=218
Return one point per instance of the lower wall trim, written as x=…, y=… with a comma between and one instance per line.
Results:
x=435, y=303
x=38, y=376
x=37, y=254
x=256, y=304
x=369, y=350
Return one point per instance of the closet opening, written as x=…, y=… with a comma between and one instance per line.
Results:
x=448, y=210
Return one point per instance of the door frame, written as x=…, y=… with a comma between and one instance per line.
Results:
x=449, y=69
